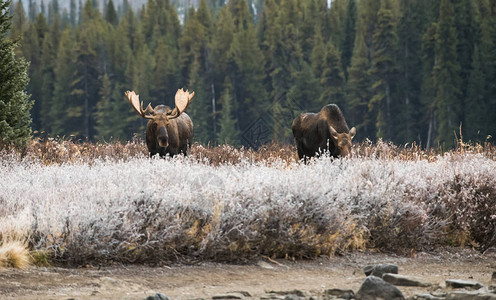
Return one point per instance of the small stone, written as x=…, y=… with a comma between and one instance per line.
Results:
x=428, y=297
x=400, y=280
x=342, y=294
x=227, y=296
x=157, y=296
x=368, y=270
x=470, y=295
x=243, y=293
x=270, y=296
x=374, y=288
x=380, y=269
x=292, y=297
x=293, y=292
x=459, y=284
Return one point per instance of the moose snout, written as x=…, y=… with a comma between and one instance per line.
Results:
x=162, y=137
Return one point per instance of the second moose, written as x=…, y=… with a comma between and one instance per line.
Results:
x=326, y=130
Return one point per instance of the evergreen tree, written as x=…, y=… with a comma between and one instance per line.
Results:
x=410, y=124
x=383, y=71
x=86, y=84
x=64, y=109
x=317, y=57
x=166, y=79
x=19, y=22
x=32, y=10
x=15, y=103
x=227, y=133
x=348, y=38
x=332, y=79
x=447, y=81
x=199, y=110
x=110, y=112
x=48, y=59
x=286, y=61
x=72, y=13
x=476, y=119
x=111, y=14
x=221, y=43
x=428, y=90
x=246, y=68
x=359, y=91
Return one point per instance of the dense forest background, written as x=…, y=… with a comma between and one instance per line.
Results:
x=401, y=70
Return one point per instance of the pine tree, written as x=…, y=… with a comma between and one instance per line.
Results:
x=166, y=79
x=476, y=119
x=428, y=90
x=227, y=123
x=246, y=68
x=408, y=117
x=221, y=44
x=19, y=22
x=15, y=103
x=64, y=110
x=447, y=79
x=111, y=122
x=359, y=91
x=199, y=109
x=72, y=13
x=286, y=61
x=383, y=71
x=348, y=39
x=332, y=79
x=32, y=10
x=111, y=14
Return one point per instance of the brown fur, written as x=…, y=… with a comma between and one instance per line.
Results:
x=314, y=135
x=175, y=134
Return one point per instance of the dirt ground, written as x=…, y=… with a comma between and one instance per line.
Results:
x=258, y=278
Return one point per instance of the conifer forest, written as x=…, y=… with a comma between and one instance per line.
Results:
x=405, y=71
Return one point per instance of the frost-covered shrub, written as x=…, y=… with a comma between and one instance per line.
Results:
x=150, y=210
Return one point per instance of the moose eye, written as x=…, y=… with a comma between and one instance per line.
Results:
x=154, y=126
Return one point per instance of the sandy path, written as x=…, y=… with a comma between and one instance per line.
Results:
x=209, y=279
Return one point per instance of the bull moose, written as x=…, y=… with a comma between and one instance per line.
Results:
x=326, y=130
x=168, y=131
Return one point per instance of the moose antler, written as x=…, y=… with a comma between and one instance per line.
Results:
x=135, y=103
x=182, y=99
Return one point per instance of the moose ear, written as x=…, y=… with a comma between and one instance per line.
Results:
x=352, y=132
x=333, y=132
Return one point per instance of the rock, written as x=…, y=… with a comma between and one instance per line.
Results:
x=470, y=295
x=493, y=277
x=341, y=294
x=272, y=297
x=380, y=269
x=227, y=296
x=459, y=284
x=374, y=288
x=292, y=297
x=427, y=297
x=157, y=296
x=293, y=292
x=400, y=280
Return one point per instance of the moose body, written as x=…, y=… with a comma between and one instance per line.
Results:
x=326, y=130
x=168, y=131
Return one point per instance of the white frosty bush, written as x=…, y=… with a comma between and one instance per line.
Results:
x=150, y=210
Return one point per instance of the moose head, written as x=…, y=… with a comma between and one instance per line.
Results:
x=342, y=141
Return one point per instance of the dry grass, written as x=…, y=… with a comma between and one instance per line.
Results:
x=57, y=151
x=14, y=254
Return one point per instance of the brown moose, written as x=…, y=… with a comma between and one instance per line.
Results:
x=169, y=131
x=326, y=130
